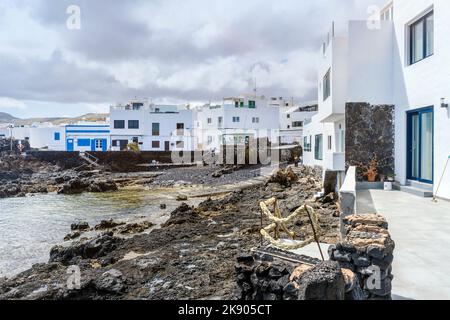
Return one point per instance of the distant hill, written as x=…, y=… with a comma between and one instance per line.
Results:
x=90, y=117
x=6, y=117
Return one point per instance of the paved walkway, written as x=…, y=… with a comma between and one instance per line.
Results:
x=421, y=231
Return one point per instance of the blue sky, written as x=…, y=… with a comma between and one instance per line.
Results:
x=169, y=51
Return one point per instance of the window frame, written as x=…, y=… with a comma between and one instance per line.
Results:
x=297, y=124
x=156, y=144
x=116, y=122
x=153, y=129
x=327, y=85
x=132, y=126
x=318, y=153
x=422, y=19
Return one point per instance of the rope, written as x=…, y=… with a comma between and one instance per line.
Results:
x=278, y=222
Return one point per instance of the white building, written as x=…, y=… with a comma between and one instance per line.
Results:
x=236, y=121
x=152, y=127
x=87, y=137
x=292, y=120
x=405, y=63
x=43, y=136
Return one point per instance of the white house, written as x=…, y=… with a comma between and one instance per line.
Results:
x=87, y=137
x=43, y=136
x=292, y=120
x=237, y=120
x=153, y=127
x=403, y=61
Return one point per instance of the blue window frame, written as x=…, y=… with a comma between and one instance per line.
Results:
x=420, y=145
x=57, y=136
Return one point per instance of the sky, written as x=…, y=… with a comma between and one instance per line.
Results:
x=168, y=51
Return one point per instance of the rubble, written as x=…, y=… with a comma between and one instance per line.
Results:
x=284, y=177
x=192, y=255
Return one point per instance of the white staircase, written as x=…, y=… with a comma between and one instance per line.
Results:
x=420, y=189
x=89, y=159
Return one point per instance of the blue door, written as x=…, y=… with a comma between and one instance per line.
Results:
x=69, y=145
x=420, y=136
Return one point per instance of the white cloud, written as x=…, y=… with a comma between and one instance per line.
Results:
x=10, y=103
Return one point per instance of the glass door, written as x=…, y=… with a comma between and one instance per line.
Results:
x=420, y=145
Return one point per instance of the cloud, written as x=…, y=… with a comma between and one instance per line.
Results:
x=166, y=50
x=10, y=103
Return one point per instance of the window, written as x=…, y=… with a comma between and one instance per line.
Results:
x=155, y=129
x=209, y=120
x=318, y=147
x=236, y=104
x=220, y=121
x=241, y=104
x=421, y=35
x=133, y=124
x=255, y=120
x=119, y=124
x=297, y=124
x=155, y=144
x=252, y=104
x=210, y=139
x=180, y=129
x=327, y=85
x=180, y=144
x=288, y=116
x=330, y=146
x=236, y=119
x=307, y=144
x=84, y=142
x=57, y=136
x=98, y=144
x=289, y=126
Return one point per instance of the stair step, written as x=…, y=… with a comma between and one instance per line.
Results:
x=419, y=185
x=416, y=191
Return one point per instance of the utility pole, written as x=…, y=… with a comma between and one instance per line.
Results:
x=11, y=137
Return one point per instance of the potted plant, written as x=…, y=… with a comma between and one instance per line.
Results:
x=372, y=172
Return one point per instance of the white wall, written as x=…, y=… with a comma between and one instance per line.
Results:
x=369, y=67
x=423, y=84
x=44, y=137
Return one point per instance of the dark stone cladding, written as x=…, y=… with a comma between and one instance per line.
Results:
x=370, y=134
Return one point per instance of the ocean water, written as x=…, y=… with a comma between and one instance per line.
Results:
x=31, y=226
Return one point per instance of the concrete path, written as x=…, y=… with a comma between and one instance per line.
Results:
x=421, y=231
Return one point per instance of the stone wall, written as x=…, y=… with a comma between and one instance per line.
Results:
x=369, y=135
x=367, y=250
x=267, y=277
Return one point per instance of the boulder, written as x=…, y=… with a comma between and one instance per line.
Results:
x=81, y=226
x=111, y=281
x=322, y=282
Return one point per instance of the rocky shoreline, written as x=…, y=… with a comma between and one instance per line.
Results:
x=191, y=256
